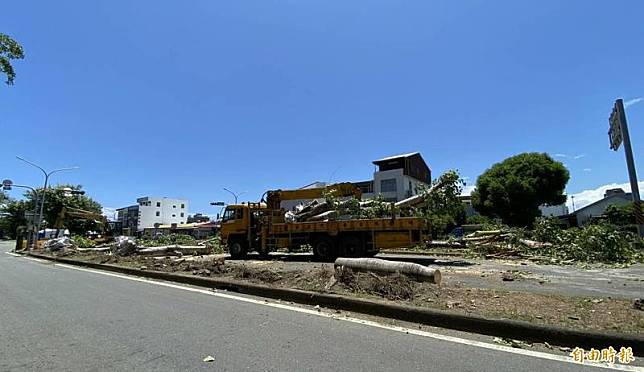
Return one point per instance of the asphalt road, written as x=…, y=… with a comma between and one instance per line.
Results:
x=57, y=318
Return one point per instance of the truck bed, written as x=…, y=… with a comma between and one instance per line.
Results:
x=364, y=225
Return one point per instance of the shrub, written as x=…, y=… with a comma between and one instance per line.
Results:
x=601, y=242
x=83, y=242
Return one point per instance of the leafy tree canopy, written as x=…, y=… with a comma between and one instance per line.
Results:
x=13, y=212
x=513, y=189
x=443, y=208
x=621, y=215
x=9, y=49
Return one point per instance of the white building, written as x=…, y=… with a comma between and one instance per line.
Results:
x=150, y=210
x=397, y=178
x=615, y=197
x=164, y=211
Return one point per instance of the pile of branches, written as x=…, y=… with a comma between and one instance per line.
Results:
x=548, y=242
x=503, y=243
x=333, y=208
x=438, y=204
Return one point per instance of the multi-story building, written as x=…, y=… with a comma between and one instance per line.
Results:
x=153, y=210
x=397, y=177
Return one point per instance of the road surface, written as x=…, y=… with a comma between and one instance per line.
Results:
x=59, y=318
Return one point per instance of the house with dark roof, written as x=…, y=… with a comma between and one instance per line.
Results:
x=611, y=197
x=397, y=177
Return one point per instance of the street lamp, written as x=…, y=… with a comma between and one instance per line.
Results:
x=235, y=195
x=7, y=185
x=44, y=192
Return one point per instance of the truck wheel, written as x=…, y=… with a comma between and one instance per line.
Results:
x=324, y=249
x=351, y=246
x=237, y=249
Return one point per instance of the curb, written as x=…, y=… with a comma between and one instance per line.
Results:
x=513, y=329
x=422, y=253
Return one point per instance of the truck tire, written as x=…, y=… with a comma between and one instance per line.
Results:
x=351, y=246
x=324, y=249
x=237, y=249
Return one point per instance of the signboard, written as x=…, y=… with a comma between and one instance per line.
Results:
x=618, y=133
x=615, y=128
x=6, y=185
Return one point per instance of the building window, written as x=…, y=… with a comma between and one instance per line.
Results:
x=158, y=204
x=183, y=206
x=174, y=215
x=181, y=214
x=174, y=206
x=158, y=213
x=388, y=185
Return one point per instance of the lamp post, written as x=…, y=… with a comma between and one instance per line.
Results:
x=235, y=195
x=44, y=189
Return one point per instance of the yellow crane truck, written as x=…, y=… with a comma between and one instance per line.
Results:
x=262, y=227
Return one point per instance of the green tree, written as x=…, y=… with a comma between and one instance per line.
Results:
x=9, y=49
x=621, y=215
x=513, y=189
x=443, y=208
x=56, y=199
x=12, y=215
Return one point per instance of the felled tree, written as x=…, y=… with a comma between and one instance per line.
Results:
x=513, y=189
x=442, y=206
x=621, y=215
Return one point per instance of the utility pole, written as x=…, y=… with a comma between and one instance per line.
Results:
x=44, y=189
x=617, y=134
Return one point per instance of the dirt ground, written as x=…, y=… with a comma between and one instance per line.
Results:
x=454, y=294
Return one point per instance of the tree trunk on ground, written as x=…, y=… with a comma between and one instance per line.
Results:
x=419, y=272
x=173, y=250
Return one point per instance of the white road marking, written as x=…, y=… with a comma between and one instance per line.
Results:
x=13, y=254
x=458, y=340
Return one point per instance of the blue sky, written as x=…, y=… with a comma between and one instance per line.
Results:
x=184, y=98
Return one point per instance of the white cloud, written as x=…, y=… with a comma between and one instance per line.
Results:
x=587, y=169
x=586, y=197
x=467, y=190
x=561, y=156
x=580, y=156
x=109, y=212
x=633, y=101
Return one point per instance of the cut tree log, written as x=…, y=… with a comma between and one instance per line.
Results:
x=174, y=250
x=419, y=272
x=95, y=249
x=418, y=199
x=323, y=216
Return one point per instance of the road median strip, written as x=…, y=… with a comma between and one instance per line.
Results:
x=505, y=328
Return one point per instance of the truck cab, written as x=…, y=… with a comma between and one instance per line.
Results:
x=241, y=228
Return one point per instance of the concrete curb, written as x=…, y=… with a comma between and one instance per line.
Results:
x=469, y=323
x=422, y=253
